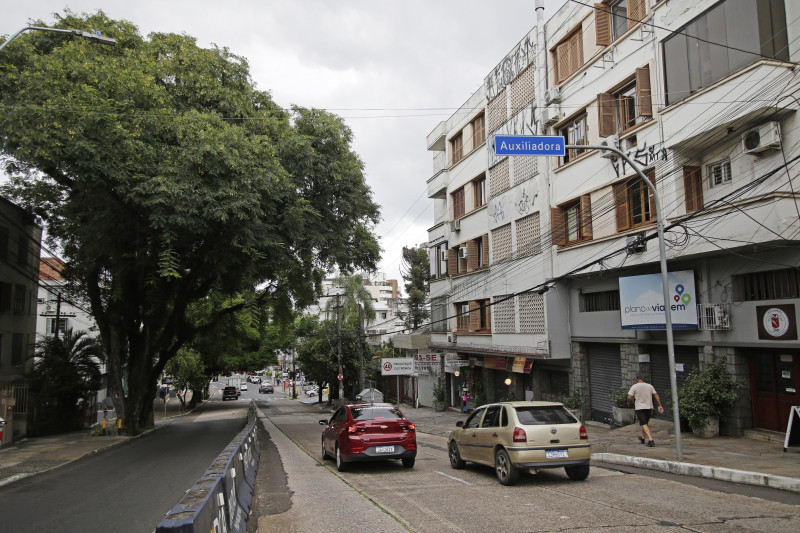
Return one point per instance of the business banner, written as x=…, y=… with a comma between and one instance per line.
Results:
x=641, y=301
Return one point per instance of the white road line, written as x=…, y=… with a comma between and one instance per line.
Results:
x=453, y=478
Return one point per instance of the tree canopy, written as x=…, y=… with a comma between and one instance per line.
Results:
x=416, y=272
x=164, y=174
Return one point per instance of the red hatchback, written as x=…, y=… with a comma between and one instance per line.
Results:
x=369, y=432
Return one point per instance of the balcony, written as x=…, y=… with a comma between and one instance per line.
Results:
x=436, y=137
x=437, y=185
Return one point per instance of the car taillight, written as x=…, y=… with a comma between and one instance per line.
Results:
x=352, y=429
x=520, y=435
x=409, y=427
x=584, y=435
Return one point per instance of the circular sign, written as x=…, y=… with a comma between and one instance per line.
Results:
x=776, y=322
x=387, y=366
x=340, y=377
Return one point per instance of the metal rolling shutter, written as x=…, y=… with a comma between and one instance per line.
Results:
x=659, y=371
x=604, y=376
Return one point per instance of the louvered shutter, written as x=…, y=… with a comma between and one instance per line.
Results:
x=621, y=202
x=562, y=59
x=474, y=316
x=576, y=52
x=636, y=12
x=605, y=114
x=558, y=226
x=651, y=176
x=485, y=244
x=586, y=216
x=452, y=265
x=472, y=255
x=693, y=188
x=488, y=315
x=643, y=99
x=602, y=24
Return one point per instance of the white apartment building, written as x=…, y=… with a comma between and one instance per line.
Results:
x=703, y=96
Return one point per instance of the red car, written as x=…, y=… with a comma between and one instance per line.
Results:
x=368, y=432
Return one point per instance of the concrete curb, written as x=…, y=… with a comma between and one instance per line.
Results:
x=712, y=472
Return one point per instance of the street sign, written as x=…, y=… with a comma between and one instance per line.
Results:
x=397, y=366
x=340, y=377
x=530, y=145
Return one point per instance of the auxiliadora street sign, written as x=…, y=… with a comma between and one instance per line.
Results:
x=542, y=145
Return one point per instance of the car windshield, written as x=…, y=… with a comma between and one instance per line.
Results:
x=549, y=414
x=375, y=413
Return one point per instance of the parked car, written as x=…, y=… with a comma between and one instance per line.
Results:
x=230, y=393
x=514, y=436
x=266, y=388
x=368, y=432
x=370, y=396
x=311, y=391
x=243, y=386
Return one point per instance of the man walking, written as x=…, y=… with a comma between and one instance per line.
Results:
x=643, y=394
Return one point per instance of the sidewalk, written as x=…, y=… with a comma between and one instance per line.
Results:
x=754, y=460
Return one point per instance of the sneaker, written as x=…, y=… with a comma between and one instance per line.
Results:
x=650, y=444
x=641, y=440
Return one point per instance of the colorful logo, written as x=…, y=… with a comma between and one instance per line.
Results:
x=682, y=296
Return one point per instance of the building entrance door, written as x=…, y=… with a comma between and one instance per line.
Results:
x=773, y=383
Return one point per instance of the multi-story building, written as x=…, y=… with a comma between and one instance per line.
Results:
x=703, y=96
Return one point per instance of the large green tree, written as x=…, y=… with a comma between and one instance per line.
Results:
x=416, y=272
x=164, y=174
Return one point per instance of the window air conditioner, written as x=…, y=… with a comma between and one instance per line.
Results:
x=714, y=316
x=462, y=253
x=455, y=225
x=552, y=95
x=611, y=141
x=764, y=137
x=551, y=115
x=443, y=255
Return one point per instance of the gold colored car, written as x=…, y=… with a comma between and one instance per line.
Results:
x=515, y=436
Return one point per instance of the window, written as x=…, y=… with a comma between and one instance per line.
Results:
x=50, y=328
x=693, y=188
x=22, y=250
x=457, y=145
x=478, y=131
x=728, y=37
x=6, y=290
x=625, y=108
x=591, y=302
x=462, y=320
x=478, y=253
x=572, y=222
x=574, y=132
x=769, y=285
x=439, y=314
x=479, y=190
x=3, y=243
x=479, y=315
x=458, y=203
x=719, y=173
x=569, y=56
x=20, y=292
x=438, y=260
x=17, y=347
x=612, y=20
x=635, y=205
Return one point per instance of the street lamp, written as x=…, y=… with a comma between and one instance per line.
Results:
x=95, y=37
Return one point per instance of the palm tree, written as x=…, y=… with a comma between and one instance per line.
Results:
x=66, y=375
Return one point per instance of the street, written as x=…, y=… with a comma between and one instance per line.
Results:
x=433, y=497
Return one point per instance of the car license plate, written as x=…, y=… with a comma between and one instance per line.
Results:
x=556, y=454
x=384, y=449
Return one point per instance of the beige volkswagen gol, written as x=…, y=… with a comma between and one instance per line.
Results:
x=515, y=436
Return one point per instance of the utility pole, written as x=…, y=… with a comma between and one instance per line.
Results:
x=360, y=351
x=294, y=378
x=339, y=343
x=58, y=314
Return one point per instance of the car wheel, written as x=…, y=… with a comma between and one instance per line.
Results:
x=408, y=462
x=577, y=473
x=507, y=473
x=455, y=457
x=324, y=453
x=341, y=466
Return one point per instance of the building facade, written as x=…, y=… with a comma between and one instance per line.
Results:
x=702, y=96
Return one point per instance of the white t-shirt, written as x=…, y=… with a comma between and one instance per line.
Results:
x=643, y=395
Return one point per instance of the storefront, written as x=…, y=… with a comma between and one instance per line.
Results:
x=773, y=386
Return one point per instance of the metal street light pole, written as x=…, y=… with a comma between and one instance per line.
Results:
x=93, y=37
x=664, y=285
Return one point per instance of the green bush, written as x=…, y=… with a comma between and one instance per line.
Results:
x=619, y=397
x=707, y=392
x=573, y=401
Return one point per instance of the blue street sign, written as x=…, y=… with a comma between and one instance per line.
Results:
x=544, y=145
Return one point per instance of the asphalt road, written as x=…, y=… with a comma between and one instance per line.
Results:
x=432, y=497
x=127, y=488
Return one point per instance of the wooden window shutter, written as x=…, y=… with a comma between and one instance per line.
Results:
x=693, y=188
x=452, y=261
x=576, y=52
x=643, y=99
x=605, y=115
x=559, y=228
x=651, y=177
x=586, y=216
x=562, y=61
x=474, y=316
x=621, y=202
x=488, y=310
x=636, y=12
x=472, y=255
x=485, y=244
x=602, y=24
x=5, y=297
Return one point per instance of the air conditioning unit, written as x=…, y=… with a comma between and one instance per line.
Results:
x=443, y=255
x=551, y=114
x=714, y=316
x=764, y=137
x=452, y=338
x=611, y=141
x=455, y=225
x=462, y=253
x=552, y=95
x=635, y=245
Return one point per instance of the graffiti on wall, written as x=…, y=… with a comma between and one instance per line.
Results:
x=516, y=61
x=496, y=212
x=643, y=156
x=525, y=202
x=520, y=200
x=523, y=123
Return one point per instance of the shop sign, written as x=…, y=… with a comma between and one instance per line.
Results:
x=522, y=365
x=451, y=365
x=494, y=362
x=777, y=322
x=397, y=366
x=641, y=300
x=426, y=361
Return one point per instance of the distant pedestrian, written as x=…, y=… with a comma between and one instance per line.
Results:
x=643, y=393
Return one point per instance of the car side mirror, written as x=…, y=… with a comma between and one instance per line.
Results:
x=323, y=422
x=358, y=398
x=460, y=423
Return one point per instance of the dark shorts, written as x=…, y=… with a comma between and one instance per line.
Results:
x=643, y=416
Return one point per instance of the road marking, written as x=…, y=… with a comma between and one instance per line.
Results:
x=453, y=478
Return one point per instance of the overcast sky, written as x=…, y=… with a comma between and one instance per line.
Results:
x=392, y=69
